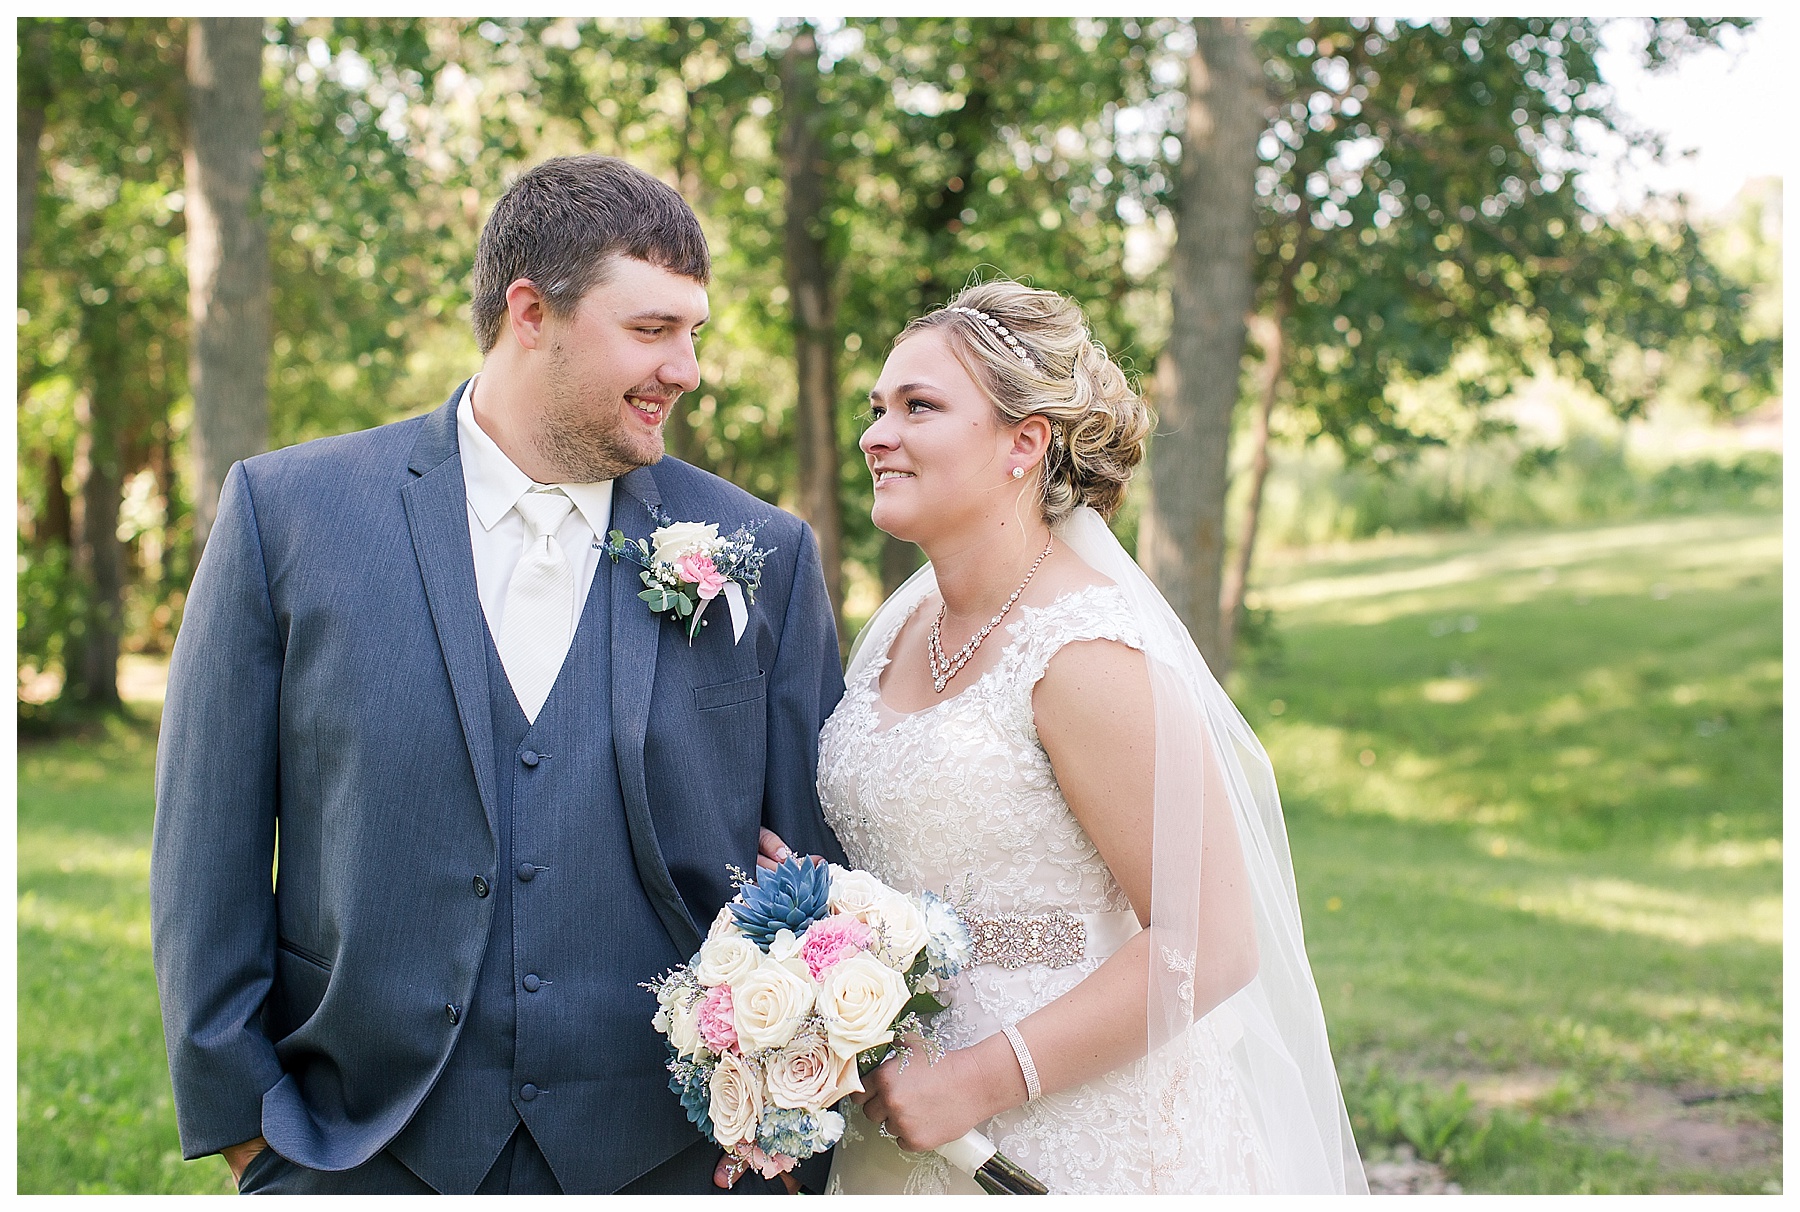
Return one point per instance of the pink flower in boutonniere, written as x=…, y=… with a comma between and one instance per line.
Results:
x=699, y=571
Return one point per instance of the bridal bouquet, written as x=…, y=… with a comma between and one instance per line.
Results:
x=805, y=982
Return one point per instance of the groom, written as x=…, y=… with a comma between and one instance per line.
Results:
x=495, y=790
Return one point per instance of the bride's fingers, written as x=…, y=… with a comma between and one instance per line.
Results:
x=770, y=849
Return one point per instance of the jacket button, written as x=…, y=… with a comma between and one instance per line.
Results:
x=528, y=1092
x=529, y=757
x=531, y=982
x=526, y=872
x=481, y=887
x=453, y=1014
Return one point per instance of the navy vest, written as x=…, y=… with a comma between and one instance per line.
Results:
x=558, y=1031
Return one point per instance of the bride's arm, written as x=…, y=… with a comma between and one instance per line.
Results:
x=1096, y=720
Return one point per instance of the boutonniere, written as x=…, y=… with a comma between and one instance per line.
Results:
x=686, y=565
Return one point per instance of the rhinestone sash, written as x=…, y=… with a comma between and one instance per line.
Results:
x=1055, y=939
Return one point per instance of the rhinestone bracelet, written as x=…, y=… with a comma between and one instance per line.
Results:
x=1032, y=1087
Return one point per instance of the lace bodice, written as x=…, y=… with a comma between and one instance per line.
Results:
x=960, y=799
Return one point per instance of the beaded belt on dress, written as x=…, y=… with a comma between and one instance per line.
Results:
x=1055, y=939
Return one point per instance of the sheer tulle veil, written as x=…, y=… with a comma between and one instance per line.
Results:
x=1272, y=1031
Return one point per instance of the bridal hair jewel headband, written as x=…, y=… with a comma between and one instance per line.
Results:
x=1001, y=331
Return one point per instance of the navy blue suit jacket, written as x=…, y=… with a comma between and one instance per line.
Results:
x=329, y=687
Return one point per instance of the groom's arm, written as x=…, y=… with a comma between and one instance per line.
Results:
x=804, y=685
x=212, y=901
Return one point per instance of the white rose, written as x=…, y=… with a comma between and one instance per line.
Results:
x=768, y=1005
x=858, y=1000
x=808, y=1075
x=723, y=960
x=684, y=1027
x=669, y=543
x=856, y=893
x=899, y=930
x=736, y=1105
x=724, y=924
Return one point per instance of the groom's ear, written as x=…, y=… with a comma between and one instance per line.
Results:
x=525, y=312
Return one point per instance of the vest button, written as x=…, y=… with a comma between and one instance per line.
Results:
x=528, y=1092
x=530, y=758
x=481, y=886
x=531, y=982
x=453, y=1014
x=526, y=872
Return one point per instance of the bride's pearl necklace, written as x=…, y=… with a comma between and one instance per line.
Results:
x=944, y=668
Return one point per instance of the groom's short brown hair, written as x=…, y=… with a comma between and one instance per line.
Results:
x=560, y=223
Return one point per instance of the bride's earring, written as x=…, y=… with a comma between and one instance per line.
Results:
x=1018, y=473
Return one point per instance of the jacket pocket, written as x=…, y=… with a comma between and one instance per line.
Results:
x=301, y=977
x=729, y=694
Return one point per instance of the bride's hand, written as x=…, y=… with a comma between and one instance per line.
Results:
x=926, y=1104
x=770, y=850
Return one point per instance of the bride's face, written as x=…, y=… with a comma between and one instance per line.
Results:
x=936, y=449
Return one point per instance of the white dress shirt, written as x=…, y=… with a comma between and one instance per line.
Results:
x=493, y=485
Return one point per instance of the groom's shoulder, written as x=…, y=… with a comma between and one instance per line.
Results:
x=367, y=456
x=687, y=489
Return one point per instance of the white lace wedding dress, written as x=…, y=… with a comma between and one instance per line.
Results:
x=959, y=799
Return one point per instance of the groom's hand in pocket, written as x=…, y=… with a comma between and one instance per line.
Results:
x=239, y=1157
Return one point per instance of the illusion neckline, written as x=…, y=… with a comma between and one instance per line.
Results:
x=1014, y=630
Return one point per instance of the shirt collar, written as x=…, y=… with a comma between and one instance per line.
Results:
x=494, y=482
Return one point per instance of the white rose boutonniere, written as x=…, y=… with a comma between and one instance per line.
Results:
x=686, y=565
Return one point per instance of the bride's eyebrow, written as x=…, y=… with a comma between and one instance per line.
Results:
x=902, y=390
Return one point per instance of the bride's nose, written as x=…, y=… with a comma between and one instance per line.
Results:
x=878, y=436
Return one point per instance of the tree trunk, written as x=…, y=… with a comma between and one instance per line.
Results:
x=809, y=273
x=1182, y=539
x=1272, y=339
x=228, y=255
x=34, y=100
x=91, y=662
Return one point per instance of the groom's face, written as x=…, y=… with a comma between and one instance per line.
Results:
x=614, y=369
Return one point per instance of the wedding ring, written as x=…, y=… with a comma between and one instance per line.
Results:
x=735, y=1171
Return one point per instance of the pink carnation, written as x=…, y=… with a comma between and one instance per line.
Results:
x=832, y=939
x=714, y=1019
x=700, y=571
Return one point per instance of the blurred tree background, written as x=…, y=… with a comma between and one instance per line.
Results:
x=1348, y=260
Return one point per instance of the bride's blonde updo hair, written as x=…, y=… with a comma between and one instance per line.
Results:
x=1032, y=351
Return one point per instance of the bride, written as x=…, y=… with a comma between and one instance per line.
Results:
x=1028, y=729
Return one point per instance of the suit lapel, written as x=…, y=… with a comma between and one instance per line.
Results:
x=636, y=634
x=437, y=514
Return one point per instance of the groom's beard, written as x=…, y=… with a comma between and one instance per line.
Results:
x=586, y=437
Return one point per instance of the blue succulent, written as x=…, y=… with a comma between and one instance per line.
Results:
x=791, y=897
x=693, y=1083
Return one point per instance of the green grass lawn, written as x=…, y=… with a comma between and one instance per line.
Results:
x=1533, y=785
x=1533, y=791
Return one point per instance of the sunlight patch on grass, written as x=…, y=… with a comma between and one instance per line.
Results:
x=1619, y=905
x=1689, y=855
x=103, y=927
x=1450, y=690
x=1704, y=1007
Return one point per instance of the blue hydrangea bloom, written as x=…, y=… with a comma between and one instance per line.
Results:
x=791, y=897
x=796, y=1133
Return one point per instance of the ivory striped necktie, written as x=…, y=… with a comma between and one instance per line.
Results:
x=537, y=621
